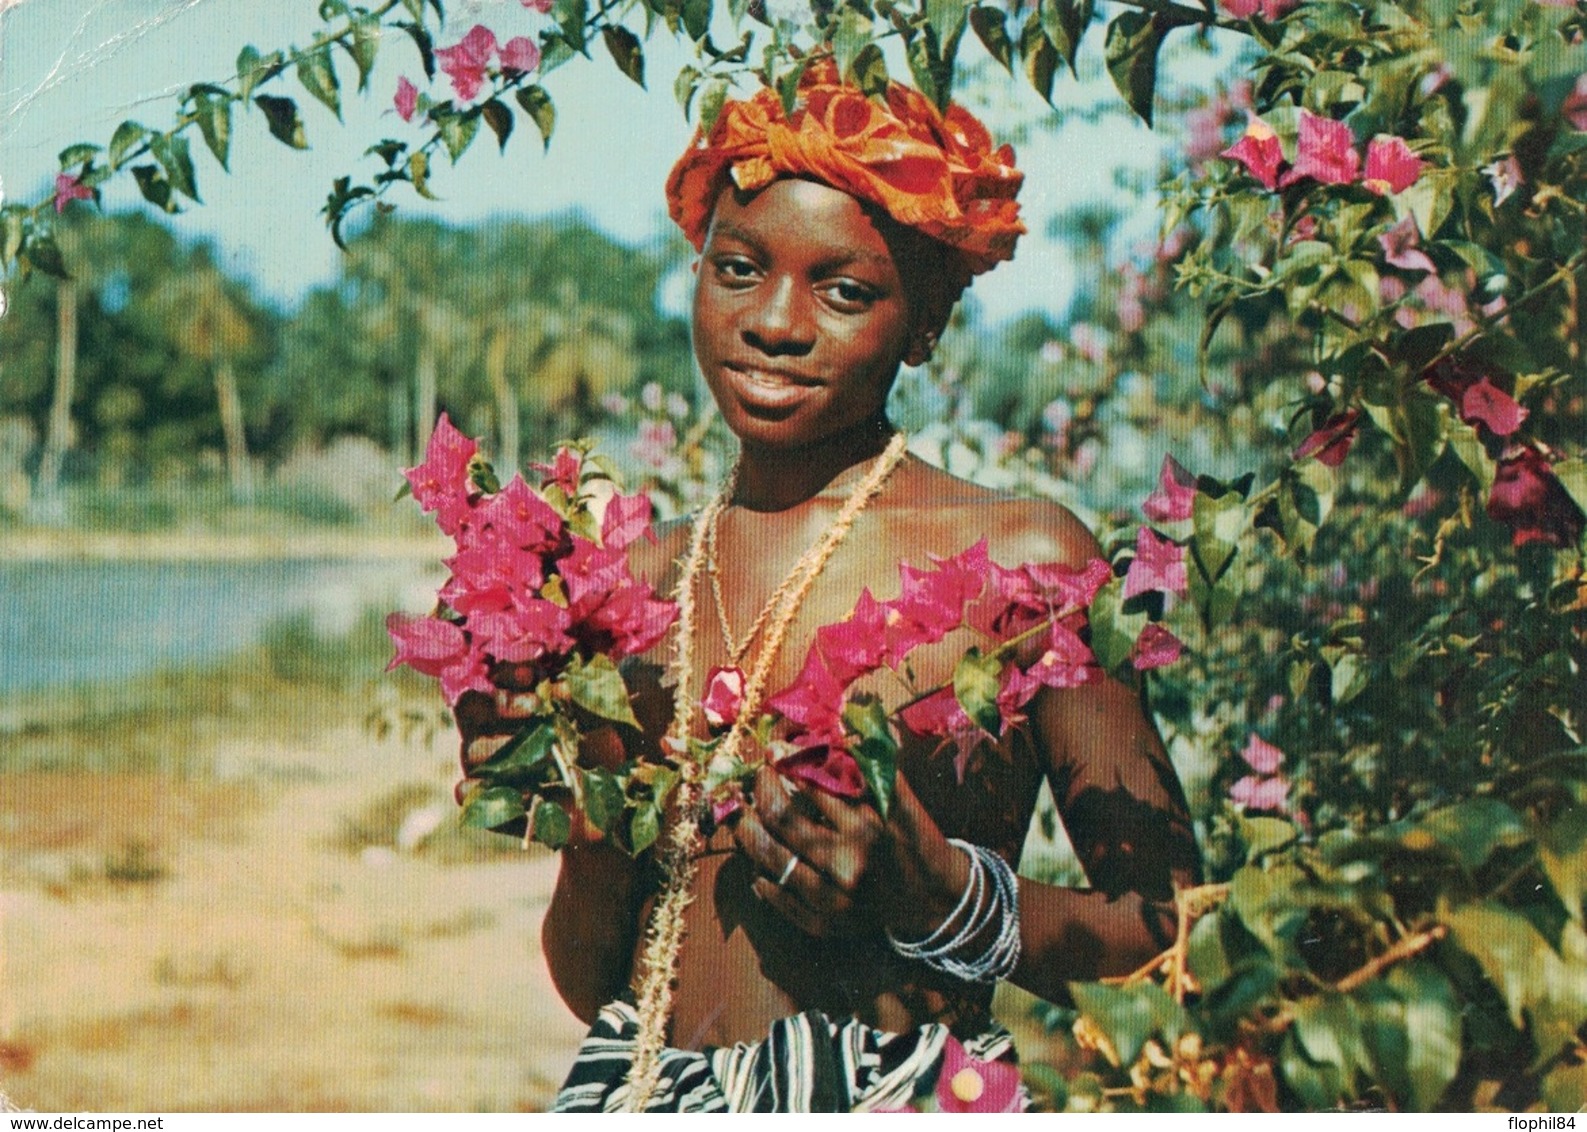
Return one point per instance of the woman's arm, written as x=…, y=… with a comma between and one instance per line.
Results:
x=591, y=927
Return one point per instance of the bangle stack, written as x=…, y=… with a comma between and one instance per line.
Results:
x=990, y=901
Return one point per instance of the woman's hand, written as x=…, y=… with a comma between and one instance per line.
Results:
x=832, y=867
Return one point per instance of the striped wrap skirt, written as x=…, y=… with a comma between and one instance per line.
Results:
x=805, y=1063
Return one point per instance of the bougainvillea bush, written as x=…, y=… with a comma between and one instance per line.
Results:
x=1377, y=594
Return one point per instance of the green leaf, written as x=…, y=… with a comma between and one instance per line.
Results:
x=684, y=86
x=787, y=85
x=1565, y=1089
x=426, y=45
x=1330, y=1032
x=77, y=153
x=1130, y=1015
x=254, y=68
x=1544, y=990
x=711, y=103
x=176, y=158
x=1263, y=835
x=644, y=828
x=877, y=750
x=492, y=806
x=1432, y=1028
x=42, y=253
x=945, y=18
x=524, y=752
x=551, y=825
x=127, y=136
x=1064, y=22
x=1473, y=830
x=499, y=119
x=282, y=115
x=604, y=800
x=570, y=16
x=214, y=122
x=850, y=36
x=419, y=174
x=537, y=104
x=154, y=186
x=317, y=73
x=365, y=45
x=457, y=132
x=623, y=46
x=1131, y=50
x=1039, y=56
x=1562, y=851
x=15, y=222
x=991, y=28
x=1216, y=525
x=1113, y=631
x=975, y=686
x=1320, y=1085
x=696, y=18
x=597, y=686
x=870, y=71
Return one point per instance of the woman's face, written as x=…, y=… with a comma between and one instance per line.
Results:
x=800, y=314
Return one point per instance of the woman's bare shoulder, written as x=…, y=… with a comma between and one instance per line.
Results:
x=1017, y=530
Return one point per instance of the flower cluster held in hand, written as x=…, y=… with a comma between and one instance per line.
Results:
x=527, y=588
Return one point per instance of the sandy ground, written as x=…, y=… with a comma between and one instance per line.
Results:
x=259, y=939
x=216, y=944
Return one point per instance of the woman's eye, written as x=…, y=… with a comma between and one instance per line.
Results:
x=848, y=295
x=736, y=270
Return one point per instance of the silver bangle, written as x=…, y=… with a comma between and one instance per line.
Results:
x=991, y=896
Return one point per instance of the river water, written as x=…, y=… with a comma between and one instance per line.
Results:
x=64, y=623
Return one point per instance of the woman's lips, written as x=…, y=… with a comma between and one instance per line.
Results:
x=769, y=389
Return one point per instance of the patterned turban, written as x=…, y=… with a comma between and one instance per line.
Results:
x=936, y=173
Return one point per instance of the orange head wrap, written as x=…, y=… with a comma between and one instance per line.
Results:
x=936, y=173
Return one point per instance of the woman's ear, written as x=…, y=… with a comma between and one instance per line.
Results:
x=922, y=344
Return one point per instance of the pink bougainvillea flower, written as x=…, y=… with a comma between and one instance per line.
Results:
x=1261, y=756
x=1391, y=166
x=1067, y=662
x=564, y=471
x=1175, y=494
x=813, y=703
x=1574, y=108
x=1505, y=176
x=520, y=55
x=1484, y=403
x=1325, y=150
x=1529, y=499
x=1262, y=793
x=1402, y=247
x=626, y=518
x=940, y=714
x=527, y=631
x=521, y=517
x=406, y=100
x=724, y=696
x=1258, y=150
x=438, y=648
x=67, y=189
x=1159, y=564
x=441, y=483
x=541, y=6
x=1155, y=647
x=465, y=62
x=968, y=1084
x=1331, y=443
x=830, y=768
x=856, y=645
x=1070, y=587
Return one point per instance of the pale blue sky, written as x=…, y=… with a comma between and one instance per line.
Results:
x=72, y=70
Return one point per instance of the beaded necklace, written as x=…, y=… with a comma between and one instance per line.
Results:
x=680, y=857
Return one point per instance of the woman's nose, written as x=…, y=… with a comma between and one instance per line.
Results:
x=782, y=323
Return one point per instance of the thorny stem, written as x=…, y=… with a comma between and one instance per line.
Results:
x=1189, y=904
x=1404, y=949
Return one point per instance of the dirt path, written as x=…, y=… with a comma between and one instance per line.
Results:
x=225, y=945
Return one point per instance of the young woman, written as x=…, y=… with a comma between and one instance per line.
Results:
x=830, y=954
